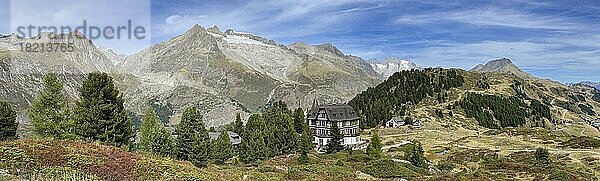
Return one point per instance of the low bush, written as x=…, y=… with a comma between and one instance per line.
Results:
x=388, y=169
x=582, y=142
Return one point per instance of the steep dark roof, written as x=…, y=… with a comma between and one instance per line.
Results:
x=335, y=112
x=234, y=137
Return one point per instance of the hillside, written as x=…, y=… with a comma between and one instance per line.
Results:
x=546, y=101
x=77, y=160
x=489, y=126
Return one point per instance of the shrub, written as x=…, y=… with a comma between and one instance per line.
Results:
x=542, y=156
x=582, y=142
x=388, y=169
x=445, y=166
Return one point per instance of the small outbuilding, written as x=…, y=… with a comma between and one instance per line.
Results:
x=395, y=122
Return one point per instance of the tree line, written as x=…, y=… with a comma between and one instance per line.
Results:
x=495, y=112
x=403, y=89
x=99, y=115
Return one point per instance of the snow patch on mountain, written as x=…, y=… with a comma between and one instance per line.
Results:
x=235, y=39
x=389, y=66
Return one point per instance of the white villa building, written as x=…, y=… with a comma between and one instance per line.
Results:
x=321, y=117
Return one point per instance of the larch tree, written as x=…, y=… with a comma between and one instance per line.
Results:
x=299, y=120
x=49, y=113
x=238, y=125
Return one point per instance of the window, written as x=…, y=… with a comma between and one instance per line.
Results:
x=322, y=114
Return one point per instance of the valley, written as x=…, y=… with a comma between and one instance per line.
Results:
x=488, y=123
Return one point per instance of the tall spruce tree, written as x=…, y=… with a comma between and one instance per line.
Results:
x=416, y=155
x=253, y=147
x=192, y=138
x=299, y=120
x=8, y=122
x=49, y=113
x=281, y=138
x=374, y=148
x=306, y=140
x=222, y=149
x=154, y=137
x=305, y=145
x=100, y=114
x=238, y=125
x=334, y=144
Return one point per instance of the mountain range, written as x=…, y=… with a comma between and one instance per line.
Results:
x=221, y=73
x=590, y=83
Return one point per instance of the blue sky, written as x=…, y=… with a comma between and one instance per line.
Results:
x=557, y=40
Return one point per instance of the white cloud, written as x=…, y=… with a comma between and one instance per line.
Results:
x=534, y=56
x=494, y=17
x=276, y=18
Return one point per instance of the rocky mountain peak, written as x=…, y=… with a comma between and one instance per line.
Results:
x=328, y=47
x=503, y=66
x=498, y=65
x=196, y=29
x=215, y=29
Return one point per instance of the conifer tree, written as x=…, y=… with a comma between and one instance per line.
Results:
x=100, y=114
x=281, y=138
x=8, y=122
x=154, y=137
x=306, y=141
x=542, y=156
x=374, y=148
x=253, y=147
x=222, y=149
x=238, y=125
x=299, y=121
x=416, y=155
x=334, y=144
x=49, y=113
x=192, y=140
x=305, y=145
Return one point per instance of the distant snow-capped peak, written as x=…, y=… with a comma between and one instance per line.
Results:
x=389, y=66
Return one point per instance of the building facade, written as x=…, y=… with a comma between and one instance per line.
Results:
x=321, y=117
